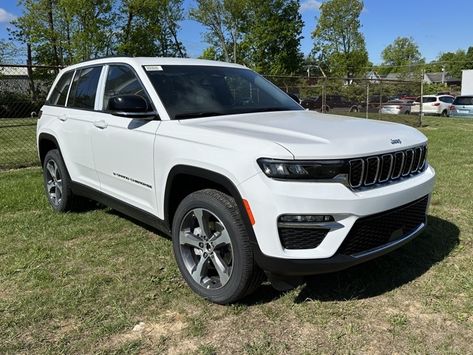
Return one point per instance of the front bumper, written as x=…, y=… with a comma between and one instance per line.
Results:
x=301, y=267
x=270, y=198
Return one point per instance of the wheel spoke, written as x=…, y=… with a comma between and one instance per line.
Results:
x=222, y=269
x=203, y=221
x=200, y=269
x=51, y=166
x=187, y=238
x=221, y=239
x=50, y=185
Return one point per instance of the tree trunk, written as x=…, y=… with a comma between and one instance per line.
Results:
x=53, y=35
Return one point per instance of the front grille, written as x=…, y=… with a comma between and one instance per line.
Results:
x=301, y=238
x=374, y=231
x=379, y=169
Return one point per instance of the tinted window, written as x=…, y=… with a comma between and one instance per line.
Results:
x=446, y=99
x=59, y=94
x=429, y=99
x=463, y=100
x=189, y=91
x=122, y=80
x=84, y=88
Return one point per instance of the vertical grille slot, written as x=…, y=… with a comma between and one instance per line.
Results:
x=372, y=170
x=397, y=166
x=356, y=172
x=423, y=157
x=415, y=164
x=386, y=167
x=406, y=169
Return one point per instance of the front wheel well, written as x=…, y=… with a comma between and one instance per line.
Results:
x=182, y=185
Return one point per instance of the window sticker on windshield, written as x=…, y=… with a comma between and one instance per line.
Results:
x=153, y=67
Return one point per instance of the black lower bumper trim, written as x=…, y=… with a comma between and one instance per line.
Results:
x=338, y=262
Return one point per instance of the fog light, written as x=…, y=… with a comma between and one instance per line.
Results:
x=289, y=218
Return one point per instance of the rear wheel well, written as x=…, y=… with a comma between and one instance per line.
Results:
x=46, y=144
x=183, y=185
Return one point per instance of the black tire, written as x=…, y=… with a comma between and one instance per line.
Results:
x=354, y=109
x=444, y=113
x=68, y=201
x=245, y=276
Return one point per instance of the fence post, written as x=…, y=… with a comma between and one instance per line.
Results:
x=29, y=63
x=324, y=97
x=421, y=110
x=367, y=98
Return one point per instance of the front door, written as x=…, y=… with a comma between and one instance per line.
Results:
x=124, y=147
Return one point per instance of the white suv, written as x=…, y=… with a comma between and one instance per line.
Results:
x=239, y=174
x=434, y=105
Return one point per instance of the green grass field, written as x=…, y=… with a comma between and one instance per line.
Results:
x=96, y=282
x=17, y=143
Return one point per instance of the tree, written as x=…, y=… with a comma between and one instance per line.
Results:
x=272, y=40
x=402, y=56
x=224, y=21
x=453, y=62
x=150, y=28
x=339, y=46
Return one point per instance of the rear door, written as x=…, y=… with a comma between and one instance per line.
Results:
x=77, y=125
x=123, y=147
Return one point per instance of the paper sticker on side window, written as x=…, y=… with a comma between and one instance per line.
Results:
x=153, y=67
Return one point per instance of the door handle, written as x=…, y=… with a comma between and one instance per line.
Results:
x=62, y=118
x=101, y=124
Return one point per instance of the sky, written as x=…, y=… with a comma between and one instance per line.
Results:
x=434, y=26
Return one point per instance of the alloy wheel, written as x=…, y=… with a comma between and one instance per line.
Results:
x=206, y=248
x=53, y=182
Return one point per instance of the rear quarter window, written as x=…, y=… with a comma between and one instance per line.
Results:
x=59, y=94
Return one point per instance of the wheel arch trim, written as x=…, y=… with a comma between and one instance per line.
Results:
x=211, y=176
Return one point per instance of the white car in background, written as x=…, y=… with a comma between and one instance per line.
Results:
x=434, y=105
x=397, y=107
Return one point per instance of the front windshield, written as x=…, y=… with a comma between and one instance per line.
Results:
x=191, y=91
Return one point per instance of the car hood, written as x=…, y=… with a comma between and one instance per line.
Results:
x=313, y=135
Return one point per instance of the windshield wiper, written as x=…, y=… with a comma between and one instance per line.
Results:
x=181, y=116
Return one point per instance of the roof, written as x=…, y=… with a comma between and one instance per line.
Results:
x=14, y=71
x=437, y=77
x=140, y=61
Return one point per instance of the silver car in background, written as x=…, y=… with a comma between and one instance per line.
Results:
x=397, y=107
x=462, y=106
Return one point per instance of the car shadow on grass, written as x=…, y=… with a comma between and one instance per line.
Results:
x=377, y=276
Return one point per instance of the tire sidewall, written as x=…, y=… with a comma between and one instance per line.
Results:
x=238, y=278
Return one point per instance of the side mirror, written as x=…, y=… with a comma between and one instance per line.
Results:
x=132, y=106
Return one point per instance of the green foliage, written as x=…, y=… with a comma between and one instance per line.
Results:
x=150, y=28
x=8, y=52
x=225, y=23
x=453, y=62
x=62, y=32
x=402, y=56
x=264, y=35
x=339, y=46
x=273, y=37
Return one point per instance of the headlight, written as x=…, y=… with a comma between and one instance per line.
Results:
x=304, y=170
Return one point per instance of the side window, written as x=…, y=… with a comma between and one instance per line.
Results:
x=122, y=80
x=84, y=88
x=59, y=93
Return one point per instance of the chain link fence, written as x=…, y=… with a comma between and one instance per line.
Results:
x=372, y=97
x=23, y=90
